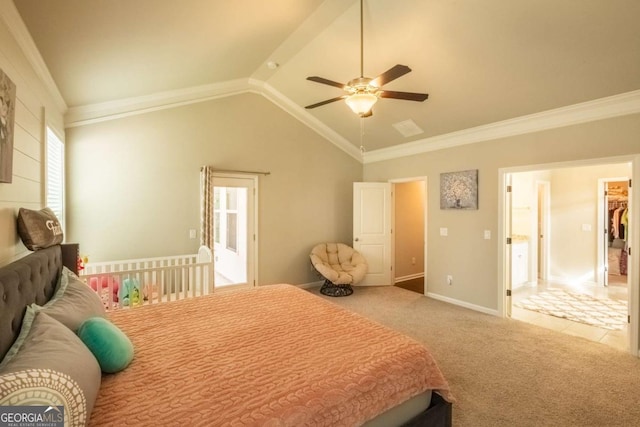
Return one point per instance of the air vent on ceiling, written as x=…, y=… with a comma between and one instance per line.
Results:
x=408, y=128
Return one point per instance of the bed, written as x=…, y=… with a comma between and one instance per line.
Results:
x=273, y=356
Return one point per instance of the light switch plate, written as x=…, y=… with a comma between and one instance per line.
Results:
x=487, y=234
x=444, y=231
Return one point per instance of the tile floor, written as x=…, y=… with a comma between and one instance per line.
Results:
x=220, y=280
x=617, y=289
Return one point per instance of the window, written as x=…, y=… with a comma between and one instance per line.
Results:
x=55, y=175
x=232, y=219
x=232, y=231
x=225, y=217
x=216, y=214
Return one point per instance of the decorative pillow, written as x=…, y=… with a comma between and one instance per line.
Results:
x=46, y=345
x=74, y=302
x=39, y=229
x=27, y=323
x=108, y=343
x=44, y=387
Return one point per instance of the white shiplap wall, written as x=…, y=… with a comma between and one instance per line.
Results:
x=35, y=107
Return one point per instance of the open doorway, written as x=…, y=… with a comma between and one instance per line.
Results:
x=614, y=226
x=553, y=255
x=234, y=230
x=409, y=234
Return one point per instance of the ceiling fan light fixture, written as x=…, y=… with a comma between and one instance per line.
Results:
x=361, y=102
x=364, y=91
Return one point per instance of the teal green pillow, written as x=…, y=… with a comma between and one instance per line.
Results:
x=110, y=346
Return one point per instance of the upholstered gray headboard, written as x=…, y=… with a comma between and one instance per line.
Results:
x=23, y=282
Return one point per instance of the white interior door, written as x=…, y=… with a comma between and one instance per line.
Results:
x=372, y=230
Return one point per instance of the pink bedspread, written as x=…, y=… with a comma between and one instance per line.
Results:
x=271, y=356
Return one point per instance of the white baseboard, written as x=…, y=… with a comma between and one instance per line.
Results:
x=409, y=277
x=464, y=304
x=310, y=285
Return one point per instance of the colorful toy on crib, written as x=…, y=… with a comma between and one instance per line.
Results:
x=130, y=293
x=100, y=284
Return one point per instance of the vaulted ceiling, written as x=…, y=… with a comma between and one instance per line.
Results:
x=480, y=61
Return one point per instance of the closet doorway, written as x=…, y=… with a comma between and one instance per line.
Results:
x=614, y=228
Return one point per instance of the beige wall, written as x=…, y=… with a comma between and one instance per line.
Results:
x=33, y=100
x=409, y=228
x=574, y=202
x=133, y=183
x=464, y=253
x=524, y=201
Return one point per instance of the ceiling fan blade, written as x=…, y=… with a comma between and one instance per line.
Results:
x=325, y=81
x=328, y=101
x=409, y=96
x=389, y=75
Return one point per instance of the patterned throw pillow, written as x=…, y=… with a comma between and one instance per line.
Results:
x=44, y=387
x=46, y=345
x=39, y=229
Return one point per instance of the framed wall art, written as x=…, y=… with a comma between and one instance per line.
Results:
x=459, y=190
x=7, y=117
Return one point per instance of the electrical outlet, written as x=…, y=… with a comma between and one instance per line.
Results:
x=413, y=260
x=449, y=280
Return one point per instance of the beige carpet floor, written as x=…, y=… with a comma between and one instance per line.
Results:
x=505, y=372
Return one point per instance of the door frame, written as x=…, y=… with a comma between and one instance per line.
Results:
x=504, y=235
x=634, y=235
x=541, y=253
x=425, y=182
x=252, y=244
x=603, y=256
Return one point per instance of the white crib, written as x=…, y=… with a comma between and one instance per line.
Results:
x=160, y=279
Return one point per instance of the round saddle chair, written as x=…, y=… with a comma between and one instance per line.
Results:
x=340, y=265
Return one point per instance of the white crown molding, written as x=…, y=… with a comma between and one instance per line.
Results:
x=598, y=109
x=104, y=111
x=18, y=29
x=95, y=113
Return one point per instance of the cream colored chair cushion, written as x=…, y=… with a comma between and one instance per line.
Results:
x=339, y=263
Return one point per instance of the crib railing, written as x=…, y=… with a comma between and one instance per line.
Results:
x=136, y=282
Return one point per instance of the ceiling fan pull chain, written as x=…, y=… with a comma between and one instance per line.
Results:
x=362, y=150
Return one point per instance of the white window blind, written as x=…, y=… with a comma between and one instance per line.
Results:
x=55, y=175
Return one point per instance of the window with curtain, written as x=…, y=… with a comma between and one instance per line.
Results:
x=55, y=174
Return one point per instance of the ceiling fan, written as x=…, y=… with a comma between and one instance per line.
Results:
x=363, y=92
